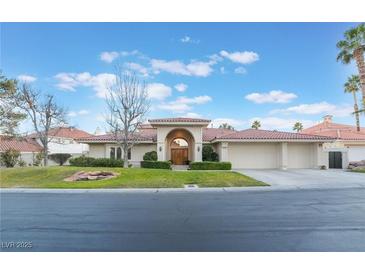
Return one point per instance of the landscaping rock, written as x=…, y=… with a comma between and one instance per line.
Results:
x=357, y=165
x=91, y=176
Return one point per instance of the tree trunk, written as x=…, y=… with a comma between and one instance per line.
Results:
x=359, y=57
x=125, y=156
x=45, y=160
x=357, y=114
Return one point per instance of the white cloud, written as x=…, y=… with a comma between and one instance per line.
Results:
x=318, y=108
x=109, y=56
x=272, y=123
x=274, y=96
x=237, y=124
x=181, y=87
x=240, y=70
x=184, y=104
x=175, y=107
x=129, y=53
x=198, y=100
x=222, y=70
x=26, y=78
x=192, y=115
x=138, y=68
x=99, y=82
x=188, y=39
x=185, y=39
x=78, y=113
x=243, y=57
x=194, y=68
x=158, y=91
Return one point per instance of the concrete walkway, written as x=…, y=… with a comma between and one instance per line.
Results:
x=308, y=178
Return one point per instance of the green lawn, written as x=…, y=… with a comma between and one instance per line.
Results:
x=53, y=177
x=359, y=170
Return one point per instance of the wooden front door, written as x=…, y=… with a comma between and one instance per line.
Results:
x=179, y=156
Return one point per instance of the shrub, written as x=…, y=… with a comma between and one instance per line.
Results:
x=10, y=157
x=22, y=163
x=38, y=159
x=150, y=156
x=60, y=158
x=156, y=164
x=84, y=161
x=209, y=154
x=210, y=166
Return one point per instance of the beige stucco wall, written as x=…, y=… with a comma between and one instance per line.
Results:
x=139, y=150
x=97, y=150
x=300, y=155
x=253, y=155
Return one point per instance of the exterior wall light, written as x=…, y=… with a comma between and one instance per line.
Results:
x=160, y=149
x=198, y=149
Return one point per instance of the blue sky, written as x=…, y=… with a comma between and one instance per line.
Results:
x=236, y=72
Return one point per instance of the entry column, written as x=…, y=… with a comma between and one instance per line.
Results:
x=283, y=156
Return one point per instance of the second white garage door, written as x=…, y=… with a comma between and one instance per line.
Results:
x=253, y=155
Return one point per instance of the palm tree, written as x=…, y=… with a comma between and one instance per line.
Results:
x=298, y=126
x=352, y=86
x=226, y=126
x=256, y=124
x=352, y=48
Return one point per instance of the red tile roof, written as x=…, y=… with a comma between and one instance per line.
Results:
x=258, y=134
x=145, y=135
x=20, y=144
x=211, y=133
x=179, y=120
x=337, y=131
x=66, y=132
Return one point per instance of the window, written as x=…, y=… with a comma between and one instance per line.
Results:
x=129, y=153
x=119, y=153
x=112, y=153
x=179, y=142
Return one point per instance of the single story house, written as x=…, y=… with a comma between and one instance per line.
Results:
x=64, y=140
x=349, y=145
x=27, y=147
x=181, y=140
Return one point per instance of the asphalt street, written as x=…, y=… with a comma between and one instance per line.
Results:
x=190, y=220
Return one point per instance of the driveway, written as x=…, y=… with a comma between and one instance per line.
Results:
x=308, y=178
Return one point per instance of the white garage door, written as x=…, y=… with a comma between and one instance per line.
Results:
x=253, y=155
x=356, y=153
x=300, y=155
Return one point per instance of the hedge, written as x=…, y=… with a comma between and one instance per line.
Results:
x=150, y=156
x=210, y=166
x=156, y=164
x=84, y=161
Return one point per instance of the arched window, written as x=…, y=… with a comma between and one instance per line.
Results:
x=119, y=153
x=179, y=142
x=112, y=153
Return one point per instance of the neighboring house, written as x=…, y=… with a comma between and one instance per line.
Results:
x=349, y=145
x=27, y=147
x=64, y=140
x=181, y=140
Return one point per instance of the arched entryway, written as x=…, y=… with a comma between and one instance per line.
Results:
x=180, y=147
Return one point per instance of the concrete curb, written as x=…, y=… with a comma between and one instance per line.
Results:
x=173, y=190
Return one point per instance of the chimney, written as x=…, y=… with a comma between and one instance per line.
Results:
x=327, y=119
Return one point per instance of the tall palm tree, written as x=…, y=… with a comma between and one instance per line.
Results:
x=226, y=126
x=256, y=124
x=353, y=48
x=298, y=126
x=352, y=86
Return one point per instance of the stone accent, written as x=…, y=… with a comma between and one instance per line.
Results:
x=91, y=176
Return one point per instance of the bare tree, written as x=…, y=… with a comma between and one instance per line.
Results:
x=44, y=114
x=128, y=103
